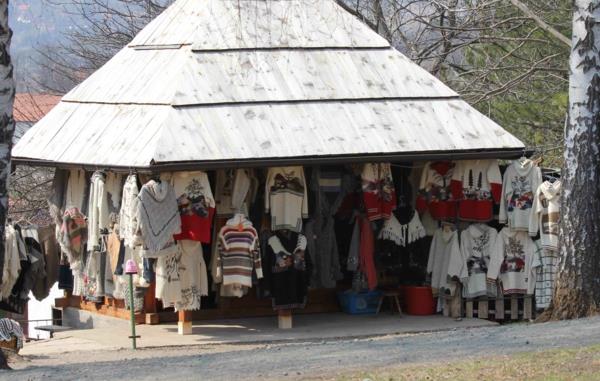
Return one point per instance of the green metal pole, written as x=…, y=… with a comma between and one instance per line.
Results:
x=132, y=309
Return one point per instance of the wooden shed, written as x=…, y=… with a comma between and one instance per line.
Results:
x=222, y=84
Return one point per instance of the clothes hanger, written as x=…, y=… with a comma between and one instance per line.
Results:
x=156, y=178
x=448, y=226
x=523, y=157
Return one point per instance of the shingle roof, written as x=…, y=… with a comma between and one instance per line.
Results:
x=216, y=82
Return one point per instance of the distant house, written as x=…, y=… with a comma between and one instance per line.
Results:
x=30, y=108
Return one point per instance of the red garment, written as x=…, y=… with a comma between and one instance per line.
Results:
x=196, y=228
x=476, y=210
x=477, y=184
x=443, y=210
x=196, y=205
x=434, y=193
x=378, y=189
x=367, y=252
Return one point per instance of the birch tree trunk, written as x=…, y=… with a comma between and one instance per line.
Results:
x=7, y=124
x=577, y=291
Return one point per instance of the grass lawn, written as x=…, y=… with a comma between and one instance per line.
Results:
x=553, y=365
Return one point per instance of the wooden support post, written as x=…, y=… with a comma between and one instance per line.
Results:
x=527, y=308
x=284, y=319
x=482, y=309
x=150, y=308
x=152, y=318
x=514, y=307
x=150, y=299
x=456, y=303
x=446, y=307
x=500, y=308
x=469, y=309
x=184, y=325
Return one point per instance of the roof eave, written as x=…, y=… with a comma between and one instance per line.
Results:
x=494, y=153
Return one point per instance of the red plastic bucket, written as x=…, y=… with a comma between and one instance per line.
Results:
x=419, y=300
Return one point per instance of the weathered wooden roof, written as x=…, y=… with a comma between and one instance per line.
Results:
x=224, y=82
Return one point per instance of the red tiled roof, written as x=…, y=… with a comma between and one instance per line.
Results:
x=33, y=107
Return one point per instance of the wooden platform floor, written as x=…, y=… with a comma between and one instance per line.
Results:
x=307, y=328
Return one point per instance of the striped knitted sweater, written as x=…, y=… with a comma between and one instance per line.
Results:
x=239, y=254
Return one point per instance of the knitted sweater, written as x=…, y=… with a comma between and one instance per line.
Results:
x=128, y=222
x=545, y=214
x=97, y=210
x=514, y=262
x=74, y=234
x=158, y=215
x=75, y=192
x=477, y=244
x=477, y=184
x=521, y=181
x=196, y=205
x=238, y=252
x=286, y=198
x=289, y=283
x=378, y=189
x=434, y=190
x=444, y=259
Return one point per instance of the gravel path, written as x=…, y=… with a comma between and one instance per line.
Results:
x=306, y=360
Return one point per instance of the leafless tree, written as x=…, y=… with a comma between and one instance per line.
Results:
x=7, y=125
x=99, y=29
x=508, y=58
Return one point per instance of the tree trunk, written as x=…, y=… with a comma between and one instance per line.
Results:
x=7, y=123
x=577, y=289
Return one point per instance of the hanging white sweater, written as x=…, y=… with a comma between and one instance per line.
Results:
x=444, y=256
x=514, y=262
x=75, y=193
x=98, y=214
x=477, y=243
x=128, y=223
x=286, y=198
x=545, y=215
x=521, y=180
x=193, y=275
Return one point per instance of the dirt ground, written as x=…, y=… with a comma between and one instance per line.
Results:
x=581, y=364
x=329, y=359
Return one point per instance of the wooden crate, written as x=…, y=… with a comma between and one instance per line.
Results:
x=509, y=308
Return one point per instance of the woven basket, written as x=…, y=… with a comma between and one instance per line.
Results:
x=10, y=345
